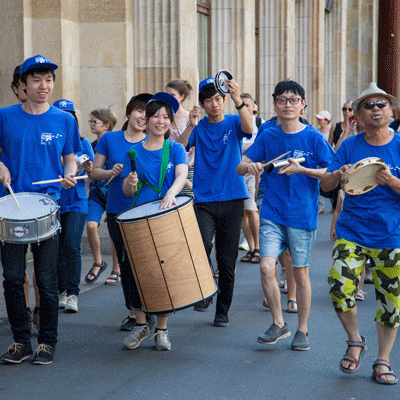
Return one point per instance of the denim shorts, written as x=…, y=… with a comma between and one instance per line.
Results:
x=95, y=211
x=276, y=238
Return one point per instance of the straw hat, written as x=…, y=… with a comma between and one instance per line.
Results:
x=370, y=91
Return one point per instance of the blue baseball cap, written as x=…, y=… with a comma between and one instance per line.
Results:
x=37, y=62
x=205, y=83
x=166, y=98
x=64, y=105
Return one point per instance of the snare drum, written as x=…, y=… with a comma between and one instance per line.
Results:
x=360, y=178
x=167, y=255
x=36, y=221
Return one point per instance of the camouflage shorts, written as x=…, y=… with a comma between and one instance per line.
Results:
x=348, y=262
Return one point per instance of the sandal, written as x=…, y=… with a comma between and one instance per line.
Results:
x=247, y=257
x=113, y=279
x=354, y=360
x=292, y=306
x=255, y=258
x=377, y=376
x=102, y=266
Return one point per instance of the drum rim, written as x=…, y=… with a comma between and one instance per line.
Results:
x=371, y=185
x=161, y=212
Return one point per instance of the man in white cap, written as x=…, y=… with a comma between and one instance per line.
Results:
x=369, y=226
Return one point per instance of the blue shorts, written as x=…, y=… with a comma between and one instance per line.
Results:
x=95, y=211
x=276, y=238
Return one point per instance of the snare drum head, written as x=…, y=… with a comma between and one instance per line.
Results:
x=33, y=205
x=151, y=209
x=360, y=178
x=219, y=80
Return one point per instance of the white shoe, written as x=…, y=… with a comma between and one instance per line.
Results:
x=72, y=304
x=162, y=341
x=63, y=300
x=282, y=278
x=244, y=245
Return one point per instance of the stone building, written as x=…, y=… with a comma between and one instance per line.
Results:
x=109, y=50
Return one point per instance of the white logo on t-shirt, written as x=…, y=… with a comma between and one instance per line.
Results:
x=301, y=153
x=46, y=137
x=226, y=136
x=169, y=166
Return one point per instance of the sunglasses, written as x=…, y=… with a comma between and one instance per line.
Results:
x=344, y=109
x=370, y=105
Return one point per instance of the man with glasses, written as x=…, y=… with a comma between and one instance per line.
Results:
x=369, y=226
x=289, y=211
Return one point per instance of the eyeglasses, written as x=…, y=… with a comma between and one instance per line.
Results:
x=95, y=122
x=370, y=105
x=292, y=100
x=344, y=109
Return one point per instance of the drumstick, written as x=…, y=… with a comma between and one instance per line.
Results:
x=132, y=155
x=12, y=194
x=275, y=159
x=57, y=180
x=110, y=179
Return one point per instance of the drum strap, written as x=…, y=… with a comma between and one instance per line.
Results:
x=163, y=170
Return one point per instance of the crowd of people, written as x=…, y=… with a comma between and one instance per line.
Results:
x=226, y=162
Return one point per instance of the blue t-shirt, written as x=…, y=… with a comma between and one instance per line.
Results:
x=371, y=219
x=34, y=144
x=148, y=164
x=291, y=200
x=218, y=153
x=75, y=199
x=114, y=146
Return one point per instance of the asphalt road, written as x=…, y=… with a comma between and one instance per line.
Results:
x=205, y=362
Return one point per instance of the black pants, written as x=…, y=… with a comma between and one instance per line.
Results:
x=222, y=219
x=131, y=294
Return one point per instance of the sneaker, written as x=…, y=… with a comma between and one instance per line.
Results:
x=63, y=299
x=244, y=245
x=300, y=341
x=202, y=306
x=221, y=320
x=368, y=276
x=128, y=323
x=72, y=304
x=282, y=278
x=36, y=318
x=162, y=341
x=17, y=353
x=285, y=287
x=273, y=334
x=139, y=333
x=360, y=295
x=44, y=354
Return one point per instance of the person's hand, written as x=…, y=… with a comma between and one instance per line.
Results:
x=340, y=172
x=333, y=234
x=384, y=176
x=293, y=168
x=349, y=124
x=68, y=181
x=87, y=166
x=255, y=168
x=117, y=169
x=194, y=116
x=233, y=88
x=132, y=179
x=167, y=202
x=5, y=176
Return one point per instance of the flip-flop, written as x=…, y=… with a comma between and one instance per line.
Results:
x=292, y=306
x=102, y=266
x=352, y=359
x=377, y=376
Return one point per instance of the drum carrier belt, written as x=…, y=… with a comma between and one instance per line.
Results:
x=163, y=170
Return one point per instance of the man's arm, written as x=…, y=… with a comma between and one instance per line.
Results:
x=330, y=180
x=70, y=169
x=194, y=117
x=246, y=119
x=247, y=166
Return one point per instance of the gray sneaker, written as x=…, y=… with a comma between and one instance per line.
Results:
x=162, y=341
x=300, y=341
x=139, y=333
x=273, y=334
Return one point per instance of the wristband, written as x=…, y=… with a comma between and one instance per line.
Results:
x=241, y=106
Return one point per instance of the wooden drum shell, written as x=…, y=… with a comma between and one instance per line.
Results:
x=168, y=259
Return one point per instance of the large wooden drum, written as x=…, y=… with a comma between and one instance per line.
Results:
x=167, y=255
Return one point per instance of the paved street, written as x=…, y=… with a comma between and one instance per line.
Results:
x=205, y=362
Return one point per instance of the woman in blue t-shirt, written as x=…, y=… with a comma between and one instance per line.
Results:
x=159, y=115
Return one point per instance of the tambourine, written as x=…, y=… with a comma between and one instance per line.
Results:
x=219, y=81
x=282, y=163
x=80, y=160
x=360, y=178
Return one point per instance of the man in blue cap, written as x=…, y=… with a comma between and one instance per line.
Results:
x=219, y=191
x=40, y=134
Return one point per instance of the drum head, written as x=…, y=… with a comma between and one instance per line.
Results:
x=360, y=178
x=219, y=80
x=151, y=209
x=33, y=205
